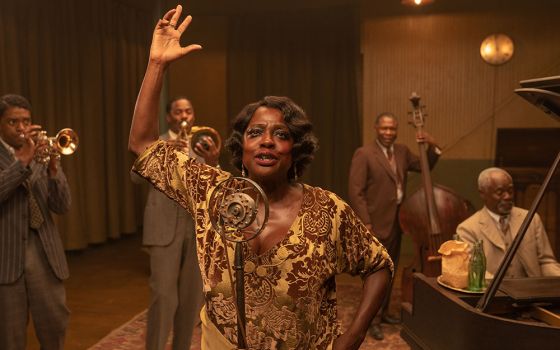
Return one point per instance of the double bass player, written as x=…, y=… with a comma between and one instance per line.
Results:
x=376, y=188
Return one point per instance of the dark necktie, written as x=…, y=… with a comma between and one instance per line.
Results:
x=391, y=160
x=504, y=225
x=35, y=215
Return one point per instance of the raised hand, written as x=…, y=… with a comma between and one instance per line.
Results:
x=166, y=46
x=165, y=49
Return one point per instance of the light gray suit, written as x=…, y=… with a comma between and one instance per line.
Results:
x=534, y=253
x=175, y=281
x=32, y=262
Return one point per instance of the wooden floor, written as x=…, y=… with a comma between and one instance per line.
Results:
x=108, y=285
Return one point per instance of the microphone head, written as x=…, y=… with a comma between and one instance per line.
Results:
x=238, y=209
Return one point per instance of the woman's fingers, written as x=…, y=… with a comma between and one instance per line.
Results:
x=185, y=24
x=192, y=47
x=175, y=14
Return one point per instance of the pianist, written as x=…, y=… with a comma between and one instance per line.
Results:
x=497, y=223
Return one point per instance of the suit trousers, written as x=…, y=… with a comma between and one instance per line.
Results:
x=176, y=290
x=39, y=292
x=393, y=246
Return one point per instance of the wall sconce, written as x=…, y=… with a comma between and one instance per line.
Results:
x=496, y=49
x=416, y=2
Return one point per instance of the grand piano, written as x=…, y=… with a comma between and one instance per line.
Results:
x=439, y=318
x=512, y=313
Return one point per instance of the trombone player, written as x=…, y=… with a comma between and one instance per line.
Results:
x=32, y=261
x=175, y=282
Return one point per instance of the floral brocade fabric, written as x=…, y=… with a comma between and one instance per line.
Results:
x=290, y=290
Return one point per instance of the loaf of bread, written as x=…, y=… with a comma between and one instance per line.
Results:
x=455, y=264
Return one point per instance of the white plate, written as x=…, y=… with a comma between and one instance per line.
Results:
x=440, y=281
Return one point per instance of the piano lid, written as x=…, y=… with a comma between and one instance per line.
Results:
x=544, y=93
x=546, y=83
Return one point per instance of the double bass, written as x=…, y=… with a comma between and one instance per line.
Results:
x=430, y=215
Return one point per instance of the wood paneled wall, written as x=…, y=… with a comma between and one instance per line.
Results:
x=437, y=55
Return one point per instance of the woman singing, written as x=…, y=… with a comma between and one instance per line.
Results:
x=311, y=236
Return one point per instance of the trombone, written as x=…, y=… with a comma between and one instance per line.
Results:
x=65, y=142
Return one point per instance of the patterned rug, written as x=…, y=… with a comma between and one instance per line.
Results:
x=130, y=336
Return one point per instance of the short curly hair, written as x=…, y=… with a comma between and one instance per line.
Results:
x=385, y=115
x=301, y=130
x=12, y=100
x=174, y=99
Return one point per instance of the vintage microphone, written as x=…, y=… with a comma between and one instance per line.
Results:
x=238, y=209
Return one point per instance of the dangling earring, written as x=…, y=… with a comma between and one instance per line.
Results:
x=295, y=173
x=242, y=170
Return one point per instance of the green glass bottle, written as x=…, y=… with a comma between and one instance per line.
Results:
x=477, y=268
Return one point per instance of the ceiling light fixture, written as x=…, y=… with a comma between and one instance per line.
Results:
x=416, y=2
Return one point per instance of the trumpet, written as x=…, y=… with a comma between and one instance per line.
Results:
x=65, y=142
x=196, y=134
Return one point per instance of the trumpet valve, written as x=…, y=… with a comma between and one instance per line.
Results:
x=42, y=136
x=185, y=129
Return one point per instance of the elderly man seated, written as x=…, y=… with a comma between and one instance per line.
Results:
x=497, y=223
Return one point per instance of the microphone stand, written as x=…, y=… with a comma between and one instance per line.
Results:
x=239, y=261
x=233, y=207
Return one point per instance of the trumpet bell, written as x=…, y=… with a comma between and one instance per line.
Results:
x=199, y=132
x=66, y=141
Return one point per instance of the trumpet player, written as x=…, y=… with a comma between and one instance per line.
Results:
x=175, y=282
x=32, y=261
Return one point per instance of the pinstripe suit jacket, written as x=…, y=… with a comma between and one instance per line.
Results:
x=51, y=194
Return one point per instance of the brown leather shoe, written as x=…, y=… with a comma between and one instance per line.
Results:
x=376, y=332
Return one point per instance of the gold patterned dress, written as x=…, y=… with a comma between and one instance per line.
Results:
x=290, y=290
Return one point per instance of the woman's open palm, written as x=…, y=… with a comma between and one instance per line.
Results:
x=166, y=46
